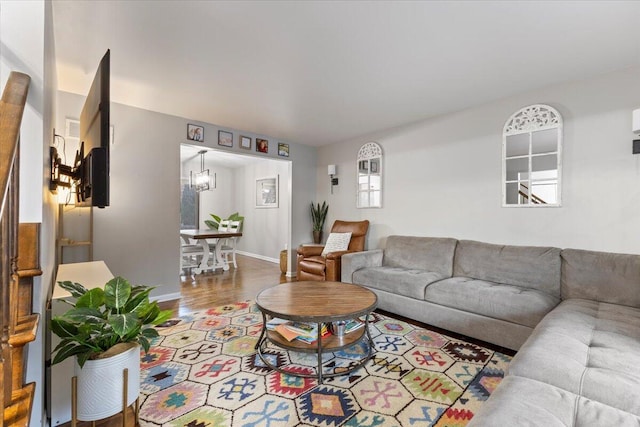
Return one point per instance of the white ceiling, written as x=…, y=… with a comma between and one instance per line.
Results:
x=320, y=72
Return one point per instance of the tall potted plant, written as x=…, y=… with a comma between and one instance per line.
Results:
x=104, y=329
x=318, y=217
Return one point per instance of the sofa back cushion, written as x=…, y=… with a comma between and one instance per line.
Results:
x=531, y=267
x=424, y=253
x=601, y=276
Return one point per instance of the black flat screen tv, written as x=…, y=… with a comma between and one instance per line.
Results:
x=92, y=160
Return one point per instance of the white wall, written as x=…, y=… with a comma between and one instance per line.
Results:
x=138, y=234
x=265, y=230
x=442, y=176
x=22, y=49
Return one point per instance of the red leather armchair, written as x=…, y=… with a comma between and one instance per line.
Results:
x=311, y=265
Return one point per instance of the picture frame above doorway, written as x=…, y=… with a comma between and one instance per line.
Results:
x=262, y=145
x=225, y=138
x=245, y=142
x=195, y=133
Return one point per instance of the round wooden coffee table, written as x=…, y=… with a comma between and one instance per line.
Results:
x=316, y=302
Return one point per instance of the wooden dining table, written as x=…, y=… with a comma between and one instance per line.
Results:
x=204, y=237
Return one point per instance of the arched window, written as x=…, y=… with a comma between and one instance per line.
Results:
x=531, y=157
x=369, y=170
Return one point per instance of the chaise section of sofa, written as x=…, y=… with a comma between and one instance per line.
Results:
x=582, y=362
x=520, y=402
x=494, y=293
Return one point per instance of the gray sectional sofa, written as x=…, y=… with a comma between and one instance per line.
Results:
x=573, y=316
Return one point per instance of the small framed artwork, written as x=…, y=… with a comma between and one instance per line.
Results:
x=225, y=138
x=245, y=142
x=195, y=133
x=267, y=192
x=283, y=149
x=262, y=145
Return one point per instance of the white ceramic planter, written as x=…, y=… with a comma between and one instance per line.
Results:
x=100, y=384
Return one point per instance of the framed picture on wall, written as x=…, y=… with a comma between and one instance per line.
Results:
x=262, y=145
x=245, y=142
x=283, y=149
x=267, y=192
x=195, y=133
x=225, y=138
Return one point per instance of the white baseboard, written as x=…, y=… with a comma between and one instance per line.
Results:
x=166, y=297
x=262, y=257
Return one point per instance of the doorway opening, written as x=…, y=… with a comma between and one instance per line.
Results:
x=266, y=227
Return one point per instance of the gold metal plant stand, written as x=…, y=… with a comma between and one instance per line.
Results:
x=125, y=388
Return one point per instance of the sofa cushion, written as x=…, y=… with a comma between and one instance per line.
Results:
x=516, y=304
x=525, y=266
x=525, y=402
x=589, y=348
x=421, y=253
x=601, y=276
x=401, y=281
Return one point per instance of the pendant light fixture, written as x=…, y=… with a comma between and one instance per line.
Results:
x=201, y=181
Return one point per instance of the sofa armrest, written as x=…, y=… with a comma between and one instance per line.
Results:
x=355, y=261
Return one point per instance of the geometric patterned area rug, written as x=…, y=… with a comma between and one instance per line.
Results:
x=203, y=371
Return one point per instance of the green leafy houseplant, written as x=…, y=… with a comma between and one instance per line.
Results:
x=101, y=319
x=213, y=224
x=319, y=215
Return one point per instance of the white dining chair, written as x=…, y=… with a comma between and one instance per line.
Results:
x=228, y=247
x=222, y=226
x=190, y=255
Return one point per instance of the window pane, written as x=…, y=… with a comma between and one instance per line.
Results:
x=518, y=145
x=545, y=163
x=374, y=166
x=517, y=169
x=512, y=196
x=544, y=141
x=363, y=199
x=375, y=182
x=544, y=192
x=188, y=207
x=375, y=198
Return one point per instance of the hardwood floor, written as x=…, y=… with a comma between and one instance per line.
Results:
x=206, y=290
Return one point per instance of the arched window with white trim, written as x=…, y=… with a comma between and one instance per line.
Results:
x=532, y=158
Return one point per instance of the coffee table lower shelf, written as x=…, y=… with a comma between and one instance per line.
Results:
x=325, y=344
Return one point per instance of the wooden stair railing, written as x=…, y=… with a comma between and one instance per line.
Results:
x=18, y=265
x=534, y=199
